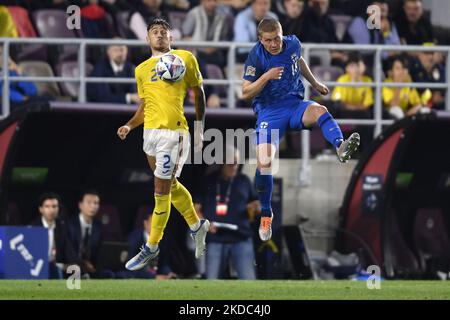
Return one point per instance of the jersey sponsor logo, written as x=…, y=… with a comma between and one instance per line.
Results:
x=250, y=71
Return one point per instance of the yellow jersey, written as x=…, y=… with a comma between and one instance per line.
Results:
x=409, y=97
x=164, y=100
x=353, y=95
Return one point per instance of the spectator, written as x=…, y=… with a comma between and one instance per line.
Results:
x=7, y=27
x=424, y=69
x=413, y=26
x=354, y=102
x=224, y=199
x=19, y=91
x=291, y=22
x=206, y=23
x=135, y=241
x=400, y=101
x=60, y=250
x=387, y=34
x=114, y=65
x=85, y=233
x=318, y=26
x=354, y=99
x=95, y=22
x=246, y=23
x=146, y=11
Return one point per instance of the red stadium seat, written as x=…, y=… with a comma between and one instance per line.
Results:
x=22, y=22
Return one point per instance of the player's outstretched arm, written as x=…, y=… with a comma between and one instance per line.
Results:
x=200, y=107
x=306, y=72
x=251, y=89
x=135, y=121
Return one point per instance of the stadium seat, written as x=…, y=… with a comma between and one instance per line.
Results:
x=52, y=24
x=110, y=218
x=141, y=213
x=22, y=22
x=214, y=72
x=41, y=69
x=70, y=69
x=431, y=239
x=341, y=23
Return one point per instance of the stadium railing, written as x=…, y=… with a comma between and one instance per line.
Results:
x=231, y=81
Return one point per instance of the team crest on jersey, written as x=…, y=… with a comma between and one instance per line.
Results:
x=250, y=71
x=263, y=125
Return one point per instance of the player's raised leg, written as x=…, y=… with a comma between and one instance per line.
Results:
x=264, y=184
x=182, y=201
x=318, y=114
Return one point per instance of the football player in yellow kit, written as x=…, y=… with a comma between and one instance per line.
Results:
x=166, y=138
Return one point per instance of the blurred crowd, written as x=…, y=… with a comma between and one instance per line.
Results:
x=401, y=22
x=317, y=21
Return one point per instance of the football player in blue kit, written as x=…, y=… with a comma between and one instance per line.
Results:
x=272, y=78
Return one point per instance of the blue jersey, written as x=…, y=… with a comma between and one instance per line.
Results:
x=289, y=86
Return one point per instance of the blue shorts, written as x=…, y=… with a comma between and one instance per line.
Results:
x=273, y=121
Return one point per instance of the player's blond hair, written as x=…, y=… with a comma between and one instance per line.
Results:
x=268, y=25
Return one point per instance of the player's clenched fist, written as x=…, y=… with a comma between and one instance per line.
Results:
x=275, y=73
x=323, y=89
x=123, y=131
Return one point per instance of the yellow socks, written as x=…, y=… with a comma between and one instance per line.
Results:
x=182, y=201
x=160, y=217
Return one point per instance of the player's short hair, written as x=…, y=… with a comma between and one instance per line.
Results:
x=159, y=22
x=268, y=25
x=48, y=196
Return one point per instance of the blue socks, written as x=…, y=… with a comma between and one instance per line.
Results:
x=264, y=185
x=330, y=129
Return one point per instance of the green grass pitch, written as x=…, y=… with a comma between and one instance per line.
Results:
x=223, y=290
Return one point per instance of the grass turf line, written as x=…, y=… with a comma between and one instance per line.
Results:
x=223, y=290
